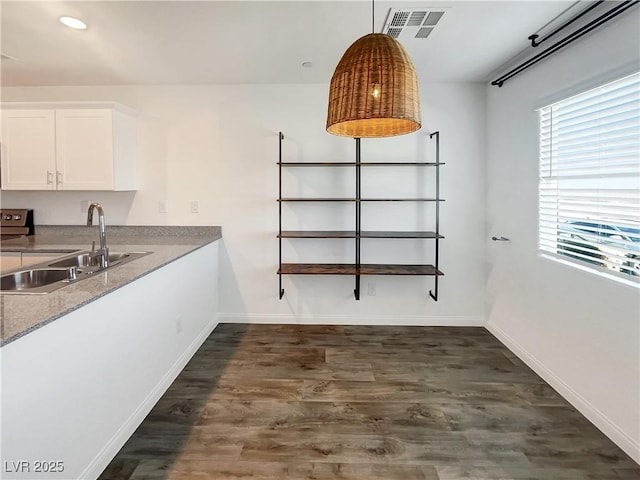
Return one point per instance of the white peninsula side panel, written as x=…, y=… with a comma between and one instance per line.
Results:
x=75, y=390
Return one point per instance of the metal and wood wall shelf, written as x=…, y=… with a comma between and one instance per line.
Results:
x=357, y=268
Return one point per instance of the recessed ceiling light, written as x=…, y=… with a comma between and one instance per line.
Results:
x=72, y=22
x=307, y=64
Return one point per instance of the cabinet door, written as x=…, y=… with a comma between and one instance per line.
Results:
x=84, y=149
x=28, y=149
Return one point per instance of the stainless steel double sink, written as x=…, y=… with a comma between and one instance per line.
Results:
x=52, y=275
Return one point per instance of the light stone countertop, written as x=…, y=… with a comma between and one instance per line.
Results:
x=21, y=314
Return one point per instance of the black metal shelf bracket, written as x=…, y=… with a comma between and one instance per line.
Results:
x=434, y=293
x=358, y=206
x=280, y=289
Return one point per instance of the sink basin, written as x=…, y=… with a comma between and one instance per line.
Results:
x=47, y=277
x=32, y=279
x=85, y=259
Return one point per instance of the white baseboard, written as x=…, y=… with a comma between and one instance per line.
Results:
x=100, y=462
x=593, y=414
x=355, y=319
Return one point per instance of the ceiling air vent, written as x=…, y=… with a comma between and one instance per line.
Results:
x=416, y=19
x=406, y=24
x=424, y=32
x=394, y=32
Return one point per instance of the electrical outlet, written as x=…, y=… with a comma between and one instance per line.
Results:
x=163, y=206
x=371, y=289
x=195, y=206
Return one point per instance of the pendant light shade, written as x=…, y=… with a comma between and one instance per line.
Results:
x=374, y=90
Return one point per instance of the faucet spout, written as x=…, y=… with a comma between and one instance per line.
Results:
x=104, y=251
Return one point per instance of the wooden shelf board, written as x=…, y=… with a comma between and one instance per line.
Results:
x=350, y=269
x=364, y=164
x=317, y=269
x=352, y=234
x=297, y=199
x=396, y=234
x=317, y=164
x=317, y=234
x=401, y=164
x=401, y=200
x=395, y=269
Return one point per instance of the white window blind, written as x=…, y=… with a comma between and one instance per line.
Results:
x=589, y=195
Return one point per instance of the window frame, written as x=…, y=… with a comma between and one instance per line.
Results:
x=595, y=231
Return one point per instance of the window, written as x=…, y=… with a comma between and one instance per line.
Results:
x=589, y=195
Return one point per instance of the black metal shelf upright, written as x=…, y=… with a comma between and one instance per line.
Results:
x=357, y=268
x=356, y=291
x=434, y=293
x=280, y=138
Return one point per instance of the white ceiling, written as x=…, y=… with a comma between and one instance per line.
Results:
x=232, y=42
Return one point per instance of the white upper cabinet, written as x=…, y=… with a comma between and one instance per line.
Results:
x=69, y=147
x=28, y=149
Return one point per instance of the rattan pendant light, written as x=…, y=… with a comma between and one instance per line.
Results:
x=374, y=90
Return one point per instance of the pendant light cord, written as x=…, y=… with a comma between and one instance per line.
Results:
x=373, y=14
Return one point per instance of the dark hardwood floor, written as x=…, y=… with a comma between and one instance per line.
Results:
x=339, y=402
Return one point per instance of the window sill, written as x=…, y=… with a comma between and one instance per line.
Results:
x=631, y=281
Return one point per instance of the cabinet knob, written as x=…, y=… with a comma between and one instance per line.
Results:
x=49, y=177
x=8, y=216
x=58, y=178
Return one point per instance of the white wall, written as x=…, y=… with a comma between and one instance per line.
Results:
x=219, y=145
x=579, y=331
x=75, y=390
